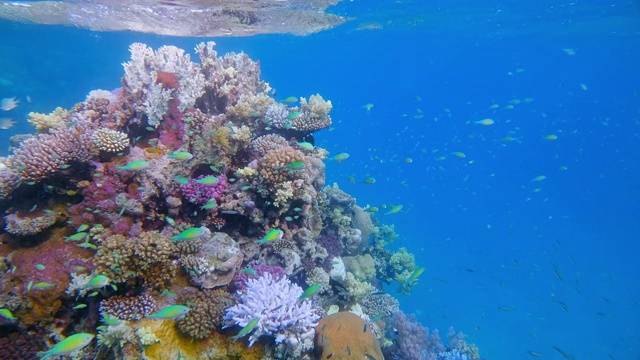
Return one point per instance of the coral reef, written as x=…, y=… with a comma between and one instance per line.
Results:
x=168, y=191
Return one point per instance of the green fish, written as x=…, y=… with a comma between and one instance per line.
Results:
x=43, y=285
x=40, y=267
x=110, y=320
x=182, y=155
x=394, y=209
x=134, y=165
x=170, y=220
x=99, y=281
x=171, y=312
x=290, y=100
x=294, y=115
x=249, y=271
x=311, y=290
x=272, y=235
x=181, y=180
x=341, y=157
x=211, y=204
x=87, y=245
x=190, y=233
x=7, y=314
x=75, y=237
x=80, y=306
x=296, y=165
x=68, y=345
x=305, y=145
x=247, y=329
x=371, y=209
x=208, y=180
x=369, y=180
x=30, y=285
x=414, y=275
x=82, y=228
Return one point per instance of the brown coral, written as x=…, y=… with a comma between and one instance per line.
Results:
x=344, y=335
x=128, y=307
x=269, y=142
x=29, y=223
x=206, y=311
x=273, y=166
x=146, y=257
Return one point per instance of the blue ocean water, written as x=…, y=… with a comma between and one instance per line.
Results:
x=517, y=262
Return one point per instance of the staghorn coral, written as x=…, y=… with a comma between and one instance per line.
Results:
x=206, y=310
x=128, y=307
x=45, y=123
x=29, y=223
x=275, y=302
x=109, y=140
x=341, y=336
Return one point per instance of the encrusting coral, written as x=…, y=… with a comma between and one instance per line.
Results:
x=344, y=335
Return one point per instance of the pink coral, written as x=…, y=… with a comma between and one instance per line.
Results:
x=199, y=194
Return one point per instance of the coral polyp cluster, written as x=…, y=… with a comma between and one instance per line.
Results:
x=186, y=210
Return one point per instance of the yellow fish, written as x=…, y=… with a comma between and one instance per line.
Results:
x=459, y=154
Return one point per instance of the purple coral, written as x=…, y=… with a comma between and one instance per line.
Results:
x=412, y=340
x=276, y=305
x=199, y=194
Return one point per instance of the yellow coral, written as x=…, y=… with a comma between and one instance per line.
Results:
x=356, y=288
x=246, y=172
x=44, y=122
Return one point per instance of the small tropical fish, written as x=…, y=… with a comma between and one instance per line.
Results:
x=296, y=165
x=190, y=233
x=509, y=107
x=87, y=245
x=43, y=285
x=408, y=160
x=352, y=179
x=415, y=274
x=99, y=281
x=369, y=180
x=290, y=100
x=305, y=145
x=170, y=220
x=134, y=165
x=79, y=306
x=76, y=237
x=110, y=320
x=211, y=204
x=534, y=354
x=247, y=329
x=249, y=271
x=494, y=106
x=539, y=178
x=459, y=154
x=272, y=235
x=563, y=353
x=288, y=218
x=7, y=314
x=371, y=209
x=551, y=137
x=6, y=123
x=82, y=228
x=569, y=51
x=182, y=155
x=181, y=180
x=80, y=268
x=40, y=266
x=311, y=290
x=368, y=106
x=93, y=294
x=208, y=180
x=168, y=293
x=30, y=285
x=294, y=115
x=8, y=104
x=394, y=209
x=68, y=345
x=378, y=316
x=171, y=312
x=246, y=187
x=340, y=157
x=485, y=122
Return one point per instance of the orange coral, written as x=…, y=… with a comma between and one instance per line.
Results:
x=344, y=335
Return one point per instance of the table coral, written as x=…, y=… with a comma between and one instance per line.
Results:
x=344, y=335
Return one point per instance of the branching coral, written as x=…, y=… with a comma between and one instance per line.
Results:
x=206, y=310
x=276, y=305
x=128, y=307
x=45, y=123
